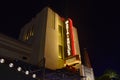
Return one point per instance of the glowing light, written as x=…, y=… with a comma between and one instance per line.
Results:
x=66, y=22
x=2, y=60
x=72, y=37
x=68, y=51
x=34, y=75
x=27, y=72
x=11, y=65
x=68, y=38
x=19, y=68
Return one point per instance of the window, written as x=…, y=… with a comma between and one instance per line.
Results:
x=60, y=30
x=29, y=34
x=60, y=51
x=60, y=35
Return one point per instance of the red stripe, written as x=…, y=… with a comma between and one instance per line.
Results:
x=72, y=37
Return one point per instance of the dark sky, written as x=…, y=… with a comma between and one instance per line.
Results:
x=97, y=22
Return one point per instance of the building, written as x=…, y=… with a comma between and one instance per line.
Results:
x=86, y=68
x=46, y=37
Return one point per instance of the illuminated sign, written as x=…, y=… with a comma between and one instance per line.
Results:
x=69, y=37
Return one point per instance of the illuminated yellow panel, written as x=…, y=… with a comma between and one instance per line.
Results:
x=60, y=51
x=61, y=44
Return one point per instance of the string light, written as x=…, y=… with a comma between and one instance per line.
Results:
x=27, y=72
x=2, y=60
x=34, y=75
x=11, y=65
x=19, y=68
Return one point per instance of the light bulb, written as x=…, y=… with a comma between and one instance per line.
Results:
x=19, y=68
x=34, y=75
x=27, y=72
x=2, y=60
x=11, y=65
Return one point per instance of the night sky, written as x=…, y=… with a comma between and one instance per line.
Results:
x=97, y=22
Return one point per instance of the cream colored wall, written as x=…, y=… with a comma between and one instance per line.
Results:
x=60, y=61
x=76, y=42
x=38, y=39
x=38, y=44
x=51, y=43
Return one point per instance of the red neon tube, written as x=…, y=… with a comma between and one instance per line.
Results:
x=72, y=37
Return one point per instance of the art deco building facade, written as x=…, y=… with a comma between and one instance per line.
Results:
x=52, y=37
x=47, y=36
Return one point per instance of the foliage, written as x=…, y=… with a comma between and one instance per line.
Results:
x=109, y=75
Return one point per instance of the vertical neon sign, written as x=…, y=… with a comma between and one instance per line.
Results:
x=70, y=37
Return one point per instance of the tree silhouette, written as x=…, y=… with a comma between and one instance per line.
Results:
x=109, y=75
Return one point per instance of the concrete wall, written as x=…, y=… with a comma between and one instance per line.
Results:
x=76, y=42
x=14, y=49
x=87, y=73
x=52, y=42
x=38, y=40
